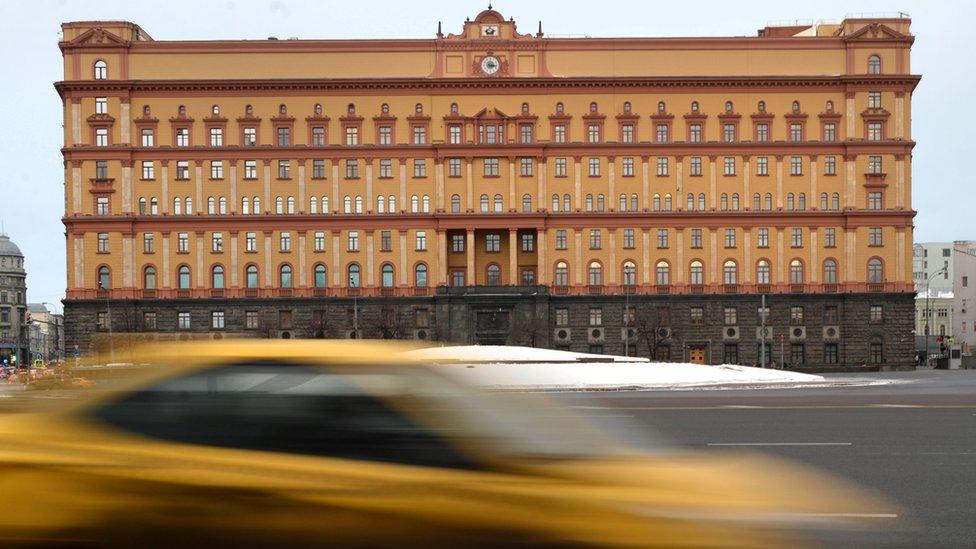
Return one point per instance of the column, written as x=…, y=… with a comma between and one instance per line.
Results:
x=611, y=184
x=645, y=180
x=646, y=247
x=469, y=248
x=167, y=278
x=127, y=186
x=439, y=189
x=679, y=166
x=203, y=276
x=164, y=186
x=402, y=236
x=900, y=186
x=441, y=278
x=543, y=261
x=578, y=267
x=712, y=184
x=266, y=203
x=75, y=121
x=611, y=269
x=302, y=205
x=746, y=195
x=370, y=258
x=850, y=194
x=901, y=122
x=269, y=274
x=76, y=185
x=79, y=260
x=850, y=246
x=542, y=201
x=469, y=183
x=125, y=120
x=513, y=277
x=713, y=267
x=577, y=183
x=849, y=110
x=403, y=185
x=781, y=266
x=234, y=199
x=234, y=235
x=128, y=258
x=368, y=205
x=336, y=204
x=900, y=255
x=747, y=268
x=336, y=268
x=302, y=274
x=198, y=199
x=779, y=181
x=677, y=270
x=814, y=198
x=511, y=184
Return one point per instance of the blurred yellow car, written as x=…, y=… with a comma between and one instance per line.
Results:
x=353, y=443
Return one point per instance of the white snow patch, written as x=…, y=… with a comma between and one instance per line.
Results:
x=527, y=368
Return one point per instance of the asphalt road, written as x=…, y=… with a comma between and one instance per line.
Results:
x=913, y=440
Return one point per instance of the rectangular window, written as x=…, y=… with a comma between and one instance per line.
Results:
x=876, y=313
x=318, y=241
x=662, y=238
x=352, y=241
x=101, y=137
x=830, y=131
x=148, y=169
x=454, y=134
x=762, y=132
x=183, y=320
x=285, y=241
x=695, y=133
x=875, y=131
x=762, y=238
x=831, y=354
x=216, y=137
x=797, y=353
x=629, y=240
x=595, y=240
x=830, y=237
x=731, y=315
x=559, y=133
x=318, y=169
x=101, y=105
x=728, y=133
x=561, y=240
x=457, y=277
x=251, y=320
x=560, y=167
x=696, y=238
x=352, y=135
x=697, y=315
x=662, y=166
x=762, y=165
x=874, y=236
x=103, y=243
x=454, y=167
x=419, y=135
x=796, y=165
x=628, y=166
x=217, y=320
x=216, y=169
x=627, y=133
x=493, y=242
x=525, y=167
x=149, y=320
x=696, y=166
x=284, y=169
x=830, y=165
x=420, y=167
x=730, y=238
x=875, y=200
x=796, y=315
x=729, y=164
x=796, y=237
x=525, y=133
x=593, y=133
x=875, y=165
x=183, y=242
x=661, y=133
x=250, y=169
x=251, y=242
x=182, y=137
x=874, y=100
x=730, y=354
x=596, y=316
x=457, y=243
x=594, y=164
x=562, y=316
x=318, y=136
x=284, y=136
x=421, y=241
x=217, y=242
x=490, y=168
x=147, y=243
x=182, y=170
x=148, y=138
x=352, y=169
x=250, y=137
x=796, y=132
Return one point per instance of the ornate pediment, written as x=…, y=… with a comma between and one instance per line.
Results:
x=876, y=32
x=98, y=38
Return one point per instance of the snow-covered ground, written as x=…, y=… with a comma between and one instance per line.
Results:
x=528, y=368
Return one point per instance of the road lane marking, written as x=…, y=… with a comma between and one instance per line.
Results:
x=895, y=406
x=810, y=407
x=779, y=444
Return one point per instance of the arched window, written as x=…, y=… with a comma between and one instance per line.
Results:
x=589, y=202
x=790, y=202
x=100, y=70
x=694, y=106
x=525, y=108
x=222, y=205
x=835, y=201
x=425, y=204
x=245, y=205
x=390, y=202
x=183, y=277
x=600, y=203
x=351, y=109
x=291, y=204
x=282, y=109
x=104, y=278
x=761, y=106
x=730, y=272
x=455, y=203
x=796, y=106
x=763, y=272
x=595, y=274
x=796, y=272
x=874, y=64
x=801, y=201
x=691, y=202
x=493, y=275
x=769, y=201
x=317, y=109
x=346, y=204
x=142, y=206
x=359, y=204
x=256, y=201
x=211, y=205
x=149, y=277
x=555, y=203
x=284, y=276
x=177, y=206
x=661, y=107
x=559, y=108
x=567, y=203
x=735, y=202
x=386, y=278
x=279, y=205
x=561, y=274
x=189, y=206
x=414, y=204
x=723, y=202
x=354, y=275
x=634, y=202
x=667, y=202
x=829, y=271
x=593, y=106
x=153, y=206
x=215, y=110
x=217, y=277
x=251, y=276
x=248, y=110
x=418, y=108
x=656, y=201
x=313, y=205
x=875, y=271
x=526, y=203
x=484, y=203
x=499, y=206
x=319, y=276
x=728, y=106
x=663, y=273
x=385, y=108
x=630, y=274
x=701, y=201
x=824, y=204
x=829, y=106
x=756, y=202
x=696, y=273
x=454, y=108
x=420, y=275
x=380, y=204
x=623, y=202
x=181, y=110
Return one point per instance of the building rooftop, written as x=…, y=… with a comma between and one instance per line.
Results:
x=7, y=247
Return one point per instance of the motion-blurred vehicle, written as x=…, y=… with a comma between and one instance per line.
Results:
x=353, y=443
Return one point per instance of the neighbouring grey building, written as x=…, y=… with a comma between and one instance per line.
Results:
x=46, y=333
x=13, y=303
x=964, y=295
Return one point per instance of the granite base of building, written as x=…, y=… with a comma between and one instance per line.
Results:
x=802, y=330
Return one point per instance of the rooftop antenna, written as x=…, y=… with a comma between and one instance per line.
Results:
x=539, y=34
x=489, y=5
x=439, y=33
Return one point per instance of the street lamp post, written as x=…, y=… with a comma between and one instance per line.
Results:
x=928, y=312
x=57, y=331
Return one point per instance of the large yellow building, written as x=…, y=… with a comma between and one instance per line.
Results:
x=604, y=194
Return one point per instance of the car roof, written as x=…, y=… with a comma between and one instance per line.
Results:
x=329, y=351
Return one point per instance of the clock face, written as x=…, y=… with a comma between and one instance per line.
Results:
x=489, y=30
x=490, y=64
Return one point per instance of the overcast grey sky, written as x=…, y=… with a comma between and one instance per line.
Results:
x=31, y=182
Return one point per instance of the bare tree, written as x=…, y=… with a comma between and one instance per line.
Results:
x=391, y=326
x=652, y=328
x=528, y=330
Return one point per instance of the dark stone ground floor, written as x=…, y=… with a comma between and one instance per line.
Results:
x=802, y=330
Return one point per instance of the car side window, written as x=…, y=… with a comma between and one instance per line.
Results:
x=282, y=407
